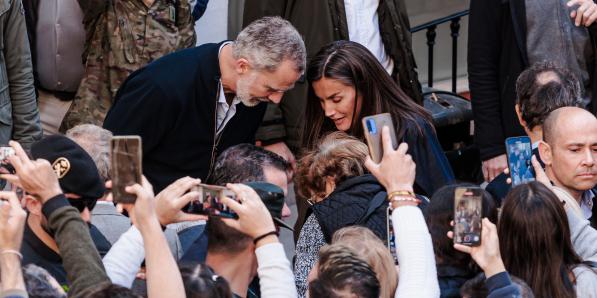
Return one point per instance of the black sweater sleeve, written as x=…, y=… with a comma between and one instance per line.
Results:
x=140, y=109
x=433, y=168
x=484, y=76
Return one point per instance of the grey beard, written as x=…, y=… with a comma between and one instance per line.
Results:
x=249, y=102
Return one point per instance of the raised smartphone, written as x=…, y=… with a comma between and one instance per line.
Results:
x=126, y=170
x=372, y=126
x=5, y=166
x=519, y=153
x=467, y=215
x=208, y=201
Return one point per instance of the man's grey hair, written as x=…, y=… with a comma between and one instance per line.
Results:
x=268, y=41
x=96, y=141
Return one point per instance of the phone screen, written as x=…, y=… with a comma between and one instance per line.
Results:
x=5, y=166
x=391, y=241
x=125, y=157
x=467, y=215
x=208, y=201
x=519, y=152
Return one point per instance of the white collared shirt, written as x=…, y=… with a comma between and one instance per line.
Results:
x=224, y=111
x=363, y=27
x=586, y=203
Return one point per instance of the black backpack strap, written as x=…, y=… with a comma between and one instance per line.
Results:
x=375, y=203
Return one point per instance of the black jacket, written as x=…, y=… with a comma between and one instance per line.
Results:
x=171, y=104
x=348, y=204
x=496, y=56
x=38, y=253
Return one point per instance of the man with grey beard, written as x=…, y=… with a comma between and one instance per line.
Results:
x=191, y=105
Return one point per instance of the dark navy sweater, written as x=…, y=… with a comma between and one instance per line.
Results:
x=171, y=103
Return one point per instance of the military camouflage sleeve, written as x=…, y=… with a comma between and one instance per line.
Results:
x=186, y=25
x=25, y=115
x=92, y=8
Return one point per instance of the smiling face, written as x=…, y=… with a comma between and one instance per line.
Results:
x=337, y=101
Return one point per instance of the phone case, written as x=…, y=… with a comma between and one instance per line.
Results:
x=391, y=241
x=467, y=215
x=126, y=166
x=372, y=126
x=519, y=152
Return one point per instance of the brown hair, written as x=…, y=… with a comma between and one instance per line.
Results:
x=353, y=65
x=337, y=155
x=369, y=247
x=535, y=240
x=341, y=272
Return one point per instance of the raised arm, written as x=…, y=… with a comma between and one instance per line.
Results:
x=80, y=258
x=12, y=224
x=396, y=172
x=275, y=276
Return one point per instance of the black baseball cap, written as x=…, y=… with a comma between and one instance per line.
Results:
x=273, y=198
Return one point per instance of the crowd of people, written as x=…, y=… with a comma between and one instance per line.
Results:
x=282, y=106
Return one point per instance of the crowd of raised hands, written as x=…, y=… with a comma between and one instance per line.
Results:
x=149, y=214
x=93, y=277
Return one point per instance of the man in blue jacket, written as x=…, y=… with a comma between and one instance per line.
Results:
x=193, y=104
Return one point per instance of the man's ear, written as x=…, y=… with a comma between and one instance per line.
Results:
x=545, y=152
x=242, y=66
x=519, y=115
x=32, y=205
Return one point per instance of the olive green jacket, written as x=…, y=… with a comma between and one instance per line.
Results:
x=19, y=116
x=321, y=22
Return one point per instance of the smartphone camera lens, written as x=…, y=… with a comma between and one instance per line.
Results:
x=371, y=126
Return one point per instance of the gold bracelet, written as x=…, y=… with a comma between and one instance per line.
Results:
x=398, y=199
x=403, y=193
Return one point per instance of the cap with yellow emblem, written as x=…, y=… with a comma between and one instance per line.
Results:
x=76, y=171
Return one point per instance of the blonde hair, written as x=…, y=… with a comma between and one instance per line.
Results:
x=338, y=156
x=369, y=247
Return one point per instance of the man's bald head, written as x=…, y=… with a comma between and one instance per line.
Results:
x=569, y=150
x=562, y=121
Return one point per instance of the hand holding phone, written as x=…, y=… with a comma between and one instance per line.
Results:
x=36, y=177
x=397, y=169
x=519, y=153
x=208, y=201
x=467, y=215
x=487, y=254
x=171, y=201
x=372, y=126
x=125, y=170
x=254, y=219
x=5, y=166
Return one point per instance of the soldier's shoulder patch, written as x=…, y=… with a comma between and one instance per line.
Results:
x=61, y=167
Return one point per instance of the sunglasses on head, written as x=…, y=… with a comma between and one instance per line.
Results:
x=81, y=203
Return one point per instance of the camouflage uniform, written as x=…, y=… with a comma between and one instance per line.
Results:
x=123, y=36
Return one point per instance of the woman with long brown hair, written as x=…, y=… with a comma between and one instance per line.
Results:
x=535, y=244
x=347, y=83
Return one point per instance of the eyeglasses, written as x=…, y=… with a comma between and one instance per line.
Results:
x=81, y=203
